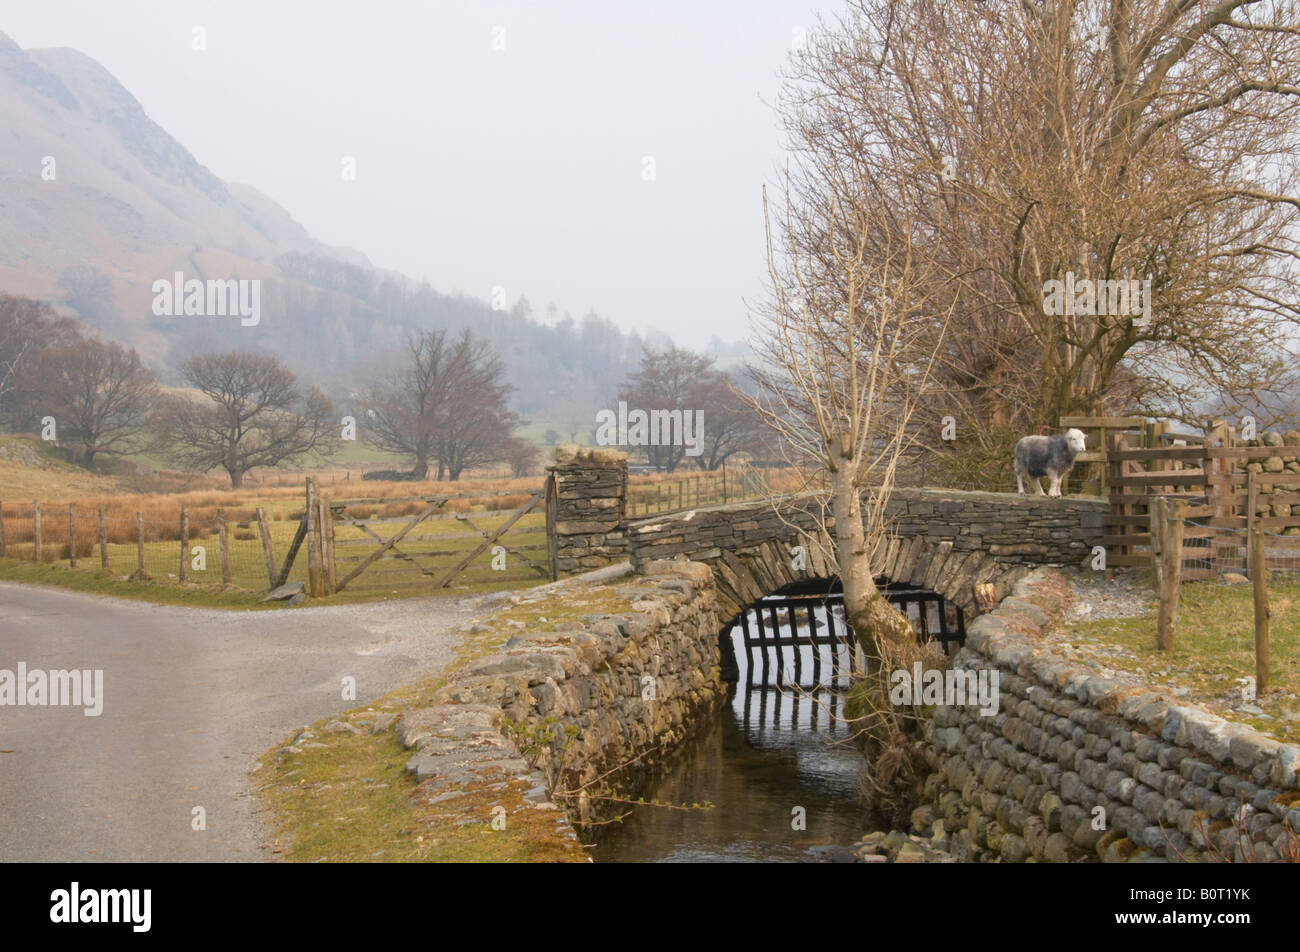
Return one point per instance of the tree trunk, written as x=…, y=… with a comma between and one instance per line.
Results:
x=236, y=478
x=421, y=470
x=875, y=622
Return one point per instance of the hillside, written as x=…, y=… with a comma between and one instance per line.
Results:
x=97, y=202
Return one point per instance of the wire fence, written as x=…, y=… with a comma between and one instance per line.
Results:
x=676, y=492
x=146, y=545
x=1221, y=551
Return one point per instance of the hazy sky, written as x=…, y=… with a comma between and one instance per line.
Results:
x=477, y=167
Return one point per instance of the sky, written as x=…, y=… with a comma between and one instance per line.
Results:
x=594, y=155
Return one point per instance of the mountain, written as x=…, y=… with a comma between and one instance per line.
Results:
x=89, y=181
x=97, y=202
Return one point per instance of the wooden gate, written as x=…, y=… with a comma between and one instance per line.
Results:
x=1135, y=477
x=1227, y=489
x=426, y=541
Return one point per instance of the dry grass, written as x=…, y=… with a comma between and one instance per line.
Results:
x=428, y=553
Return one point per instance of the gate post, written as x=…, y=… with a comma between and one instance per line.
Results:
x=184, y=572
x=315, y=574
x=590, y=507
x=552, y=542
x=327, y=545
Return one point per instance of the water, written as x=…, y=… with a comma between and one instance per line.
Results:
x=766, y=753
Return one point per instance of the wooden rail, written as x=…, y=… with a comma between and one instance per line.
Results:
x=1218, y=498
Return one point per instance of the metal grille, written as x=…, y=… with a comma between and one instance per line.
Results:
x=793, y=639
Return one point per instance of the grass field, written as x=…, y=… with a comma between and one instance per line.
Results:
x=422, y=558
x=1213, y=650
x=31, y=471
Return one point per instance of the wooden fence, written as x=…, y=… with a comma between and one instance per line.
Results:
x=1227, y=489
x=680, y=491
x=403, y=545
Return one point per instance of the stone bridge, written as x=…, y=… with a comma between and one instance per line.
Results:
x=945, y=541
x=1065, y=746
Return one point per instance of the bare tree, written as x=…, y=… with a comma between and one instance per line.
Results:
x=402, y=413
x=839, y=379
x=522, y=456
x=27, y=328
x=667, y=379
x=842, y=369
x=444, y=404
x=730, y=424
x=1106, y=139
x=89, y=290
x=477, y=428
x=101, y=395
x=254, y=414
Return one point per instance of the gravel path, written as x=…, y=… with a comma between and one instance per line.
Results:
x=1096, y=598
x=191, y=698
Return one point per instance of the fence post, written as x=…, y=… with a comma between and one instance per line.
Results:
x=1113, y=468
x=103, y=540
x=1218, y=472
x=1156, y=519
x=1252, y=501
x=2, y=530
x=1259, y=579
x=333, y=569
x=1174, y=512
x=185, y=545
x=224, y=545
x=72, y=539
x=267, y=554
x=36, y=529
x=139, y=542
x=552, y=540
x=315, y=582
x=327, y=544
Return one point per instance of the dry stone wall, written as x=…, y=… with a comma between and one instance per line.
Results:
x=571, y=711
x=1175, y=782
x=944, y=541
x=1274, y=500
x=1003, y=530
x=584, y=708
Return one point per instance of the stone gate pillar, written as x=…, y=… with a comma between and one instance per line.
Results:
x=590, y=507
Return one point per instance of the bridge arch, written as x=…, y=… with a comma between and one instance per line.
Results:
x=745, y=574
x=806, y=619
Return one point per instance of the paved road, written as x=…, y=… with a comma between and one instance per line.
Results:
x=191, y=698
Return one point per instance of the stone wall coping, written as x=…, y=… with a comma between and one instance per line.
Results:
x=791, y=501
x=788, y=500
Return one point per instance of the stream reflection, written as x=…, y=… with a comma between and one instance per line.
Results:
x=766, y=753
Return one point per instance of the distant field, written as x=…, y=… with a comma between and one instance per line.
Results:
x=422, y=558
x=415, y=566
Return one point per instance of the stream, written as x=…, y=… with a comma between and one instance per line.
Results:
x=765, y=754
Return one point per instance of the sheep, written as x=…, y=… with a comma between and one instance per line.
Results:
x=1051, y=456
